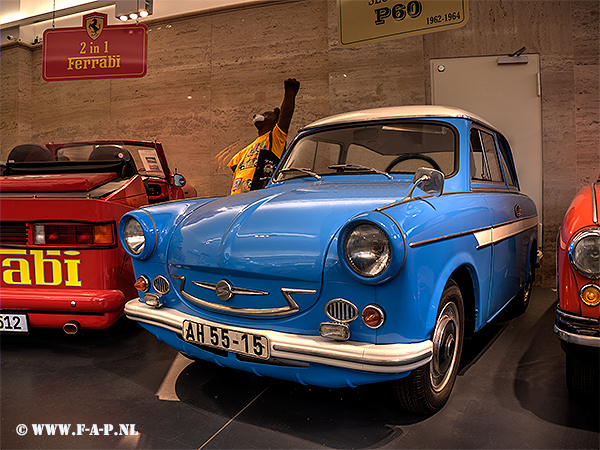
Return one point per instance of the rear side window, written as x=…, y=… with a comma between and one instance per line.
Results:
x=507, y=163
x=485, y=164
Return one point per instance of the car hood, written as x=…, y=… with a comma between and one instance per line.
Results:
x=277, y=232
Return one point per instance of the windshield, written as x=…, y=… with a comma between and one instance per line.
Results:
x=145, y=158
x=391, y=147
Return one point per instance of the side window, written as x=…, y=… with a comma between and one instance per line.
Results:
x=491, y=154
x=478, y=166
x=485, y=165
x=507, y=164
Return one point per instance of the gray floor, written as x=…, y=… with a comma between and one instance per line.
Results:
x=510, y=394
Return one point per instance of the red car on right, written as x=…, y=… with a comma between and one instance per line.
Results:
x=578, y=288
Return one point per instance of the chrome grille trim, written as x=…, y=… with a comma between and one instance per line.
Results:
x=161, y=284
x=290, y=308
x=235, y=290
x=341, y=310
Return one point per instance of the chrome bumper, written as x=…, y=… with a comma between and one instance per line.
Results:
x=577, y=330
x=365, y=357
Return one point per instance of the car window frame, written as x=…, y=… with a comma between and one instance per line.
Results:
x=428, y=120
x=478, y=181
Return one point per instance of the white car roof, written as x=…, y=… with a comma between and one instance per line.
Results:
x=398, y=112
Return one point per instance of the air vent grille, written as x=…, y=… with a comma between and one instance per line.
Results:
x=161, y=284
x=341, y=310
x=13, y=233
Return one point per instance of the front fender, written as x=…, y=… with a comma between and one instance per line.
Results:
x=160, y=219
x=478, y=282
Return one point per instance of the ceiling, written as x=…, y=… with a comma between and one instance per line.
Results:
x=26, y=20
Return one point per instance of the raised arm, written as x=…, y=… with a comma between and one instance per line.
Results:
x=291, y=86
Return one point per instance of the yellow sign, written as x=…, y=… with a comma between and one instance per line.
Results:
x=47, y=269
x=366, y=21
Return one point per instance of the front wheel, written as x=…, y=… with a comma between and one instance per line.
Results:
x=427, y=388
x=582, y=376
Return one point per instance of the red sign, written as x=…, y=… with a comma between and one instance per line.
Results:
x=95, y=51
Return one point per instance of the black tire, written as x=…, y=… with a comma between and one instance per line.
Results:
x=521, y=301
x=582, y=376
x=427, y=389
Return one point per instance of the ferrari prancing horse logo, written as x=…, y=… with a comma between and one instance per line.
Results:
x=94, y=26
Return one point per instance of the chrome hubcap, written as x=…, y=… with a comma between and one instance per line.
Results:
x=445, y=347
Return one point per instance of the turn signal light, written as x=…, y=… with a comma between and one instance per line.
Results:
x=103, y=234
x=373, y=316
x=590, y=295
x=142, y=283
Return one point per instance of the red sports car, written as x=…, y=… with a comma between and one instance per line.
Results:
x=578, y=287
x=62, y=264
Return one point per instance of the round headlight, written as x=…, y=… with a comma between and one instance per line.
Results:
x=368, y=250
x=133, y=236
x=584, y=253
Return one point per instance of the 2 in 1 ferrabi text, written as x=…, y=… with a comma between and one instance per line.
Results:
x=81, y=429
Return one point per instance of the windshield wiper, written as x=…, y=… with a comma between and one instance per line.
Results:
x=301, y=169
x=359, y=167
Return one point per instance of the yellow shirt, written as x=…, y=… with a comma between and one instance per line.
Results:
x=245, y=160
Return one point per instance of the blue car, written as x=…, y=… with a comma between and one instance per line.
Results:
x=384, y=237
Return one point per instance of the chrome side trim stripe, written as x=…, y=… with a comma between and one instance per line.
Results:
x=412, y=199
x=501, y=232
x=447, y=236
x=487, y=235
x=594, y=204
x=290, y=308
x=362, y=356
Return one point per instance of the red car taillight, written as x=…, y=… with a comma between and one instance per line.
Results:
x=74, y=234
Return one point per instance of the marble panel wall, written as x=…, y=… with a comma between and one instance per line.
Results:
x=565, y=35
x=15, y=96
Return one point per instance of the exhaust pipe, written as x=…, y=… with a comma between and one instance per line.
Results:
x=71, y=327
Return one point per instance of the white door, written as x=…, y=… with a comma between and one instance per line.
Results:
x=505, y=92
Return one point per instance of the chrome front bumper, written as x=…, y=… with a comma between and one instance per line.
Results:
x=577, y=330
x=365, y=357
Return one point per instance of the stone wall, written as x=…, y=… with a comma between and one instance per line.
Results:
x=209, y=73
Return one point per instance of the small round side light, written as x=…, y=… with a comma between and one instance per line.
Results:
x=590, y=294
x=373, y=316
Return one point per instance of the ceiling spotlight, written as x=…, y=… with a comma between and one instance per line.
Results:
x=133, y=9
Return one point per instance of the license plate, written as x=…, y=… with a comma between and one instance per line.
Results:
x=225, y=339
x=13, y=323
